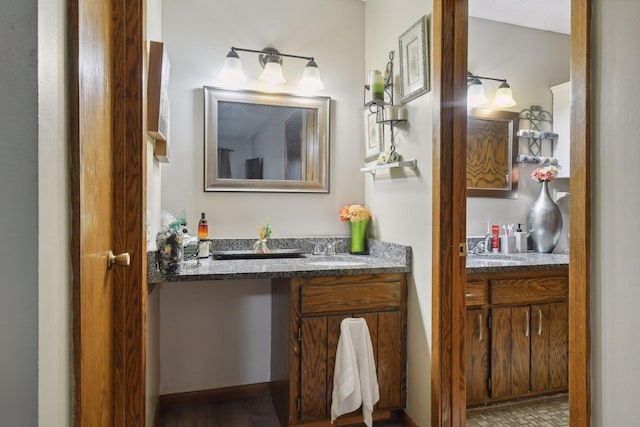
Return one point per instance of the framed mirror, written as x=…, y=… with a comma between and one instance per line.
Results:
x=492, y=147
x=265, y=142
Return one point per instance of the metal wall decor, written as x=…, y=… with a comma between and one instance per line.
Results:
x=539, y=129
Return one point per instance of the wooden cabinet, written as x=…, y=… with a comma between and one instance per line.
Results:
x=510, y=350
x=549, y=346
x=477, y=342
x=477, y=347
x=317, y=306
x=528, y=340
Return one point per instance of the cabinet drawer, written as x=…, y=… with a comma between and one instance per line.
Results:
x=529, y=291
x=476, y=293
x=348, y=298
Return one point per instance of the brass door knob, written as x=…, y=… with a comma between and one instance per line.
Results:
x=123, y=259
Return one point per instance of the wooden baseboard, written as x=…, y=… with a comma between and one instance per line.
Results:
x=215, y=395
x=348, y=420
x=407, y=421
x=156, y=415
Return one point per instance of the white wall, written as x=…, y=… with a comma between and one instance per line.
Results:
x=615, y=286
x=532, y=61
x=54, y=277
x=401, y=202
x=19, y=213
x=198, y=34
x=153, y=33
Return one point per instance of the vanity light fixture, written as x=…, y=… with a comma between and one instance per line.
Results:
x=271, y=60
x=477, y=98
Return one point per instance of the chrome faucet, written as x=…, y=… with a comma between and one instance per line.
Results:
x=478, y=248
x=486, y=245
x=317, y=250
x=488, y=238
x=328, y=250
x=331, y=248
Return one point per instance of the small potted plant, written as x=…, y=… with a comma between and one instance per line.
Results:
x=264, y=233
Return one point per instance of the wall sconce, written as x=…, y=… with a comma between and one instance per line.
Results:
x=271, y=61
x=476, y=97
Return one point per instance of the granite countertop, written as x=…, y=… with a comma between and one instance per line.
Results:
x=530, y=261
x=382, y=258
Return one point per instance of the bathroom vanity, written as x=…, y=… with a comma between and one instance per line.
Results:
x=309, y=312
x=310, y=296
x=517, y=327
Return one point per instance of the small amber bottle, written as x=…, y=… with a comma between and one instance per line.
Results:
x=203, y=227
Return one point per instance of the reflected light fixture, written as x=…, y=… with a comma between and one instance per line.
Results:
x=477, y=98
x=271, y=61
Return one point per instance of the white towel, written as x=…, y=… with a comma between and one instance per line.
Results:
x=355, y=381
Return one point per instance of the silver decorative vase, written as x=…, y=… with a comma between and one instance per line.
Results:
x=545, y=221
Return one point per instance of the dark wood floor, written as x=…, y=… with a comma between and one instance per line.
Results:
x=247, y=412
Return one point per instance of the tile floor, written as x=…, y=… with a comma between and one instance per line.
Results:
x=550, y=411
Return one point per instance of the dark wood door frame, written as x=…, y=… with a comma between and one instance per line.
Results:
x=450, y=36
x=130, y=305
x=130, y=138
x=449, y=212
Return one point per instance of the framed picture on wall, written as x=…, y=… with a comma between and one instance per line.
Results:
x=414, y=66
x=373, y=136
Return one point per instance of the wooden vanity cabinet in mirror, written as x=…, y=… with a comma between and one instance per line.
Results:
x=516, y=335
x=492, y=147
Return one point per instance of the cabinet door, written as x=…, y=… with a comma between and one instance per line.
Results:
x=390, y=357
x=549, y=346
x=477, y=349
x=510, y=351
x=332, y=347
x=313, y=368
x=385, y=330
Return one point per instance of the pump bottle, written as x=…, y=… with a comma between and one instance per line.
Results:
x=203, y=227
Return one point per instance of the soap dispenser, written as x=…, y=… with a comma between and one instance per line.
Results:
x=521, y=240
x=203, y=227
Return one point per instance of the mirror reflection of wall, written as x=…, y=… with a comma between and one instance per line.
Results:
x=270, y=138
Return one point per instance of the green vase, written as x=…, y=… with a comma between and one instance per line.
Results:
x=358, y=230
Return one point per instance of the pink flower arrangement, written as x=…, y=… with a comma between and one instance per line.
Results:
x=355, y=212
x=547, y=173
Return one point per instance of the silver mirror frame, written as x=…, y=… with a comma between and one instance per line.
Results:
x=212, y=183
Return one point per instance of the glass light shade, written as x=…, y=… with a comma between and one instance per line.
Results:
x=504, y=97
x=311, y=77
x=231, y=72
x=475, y=94
x=272, y=72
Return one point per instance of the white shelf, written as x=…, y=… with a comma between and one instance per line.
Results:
x=411, y=164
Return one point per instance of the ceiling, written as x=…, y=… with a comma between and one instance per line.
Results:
x=548, y=15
